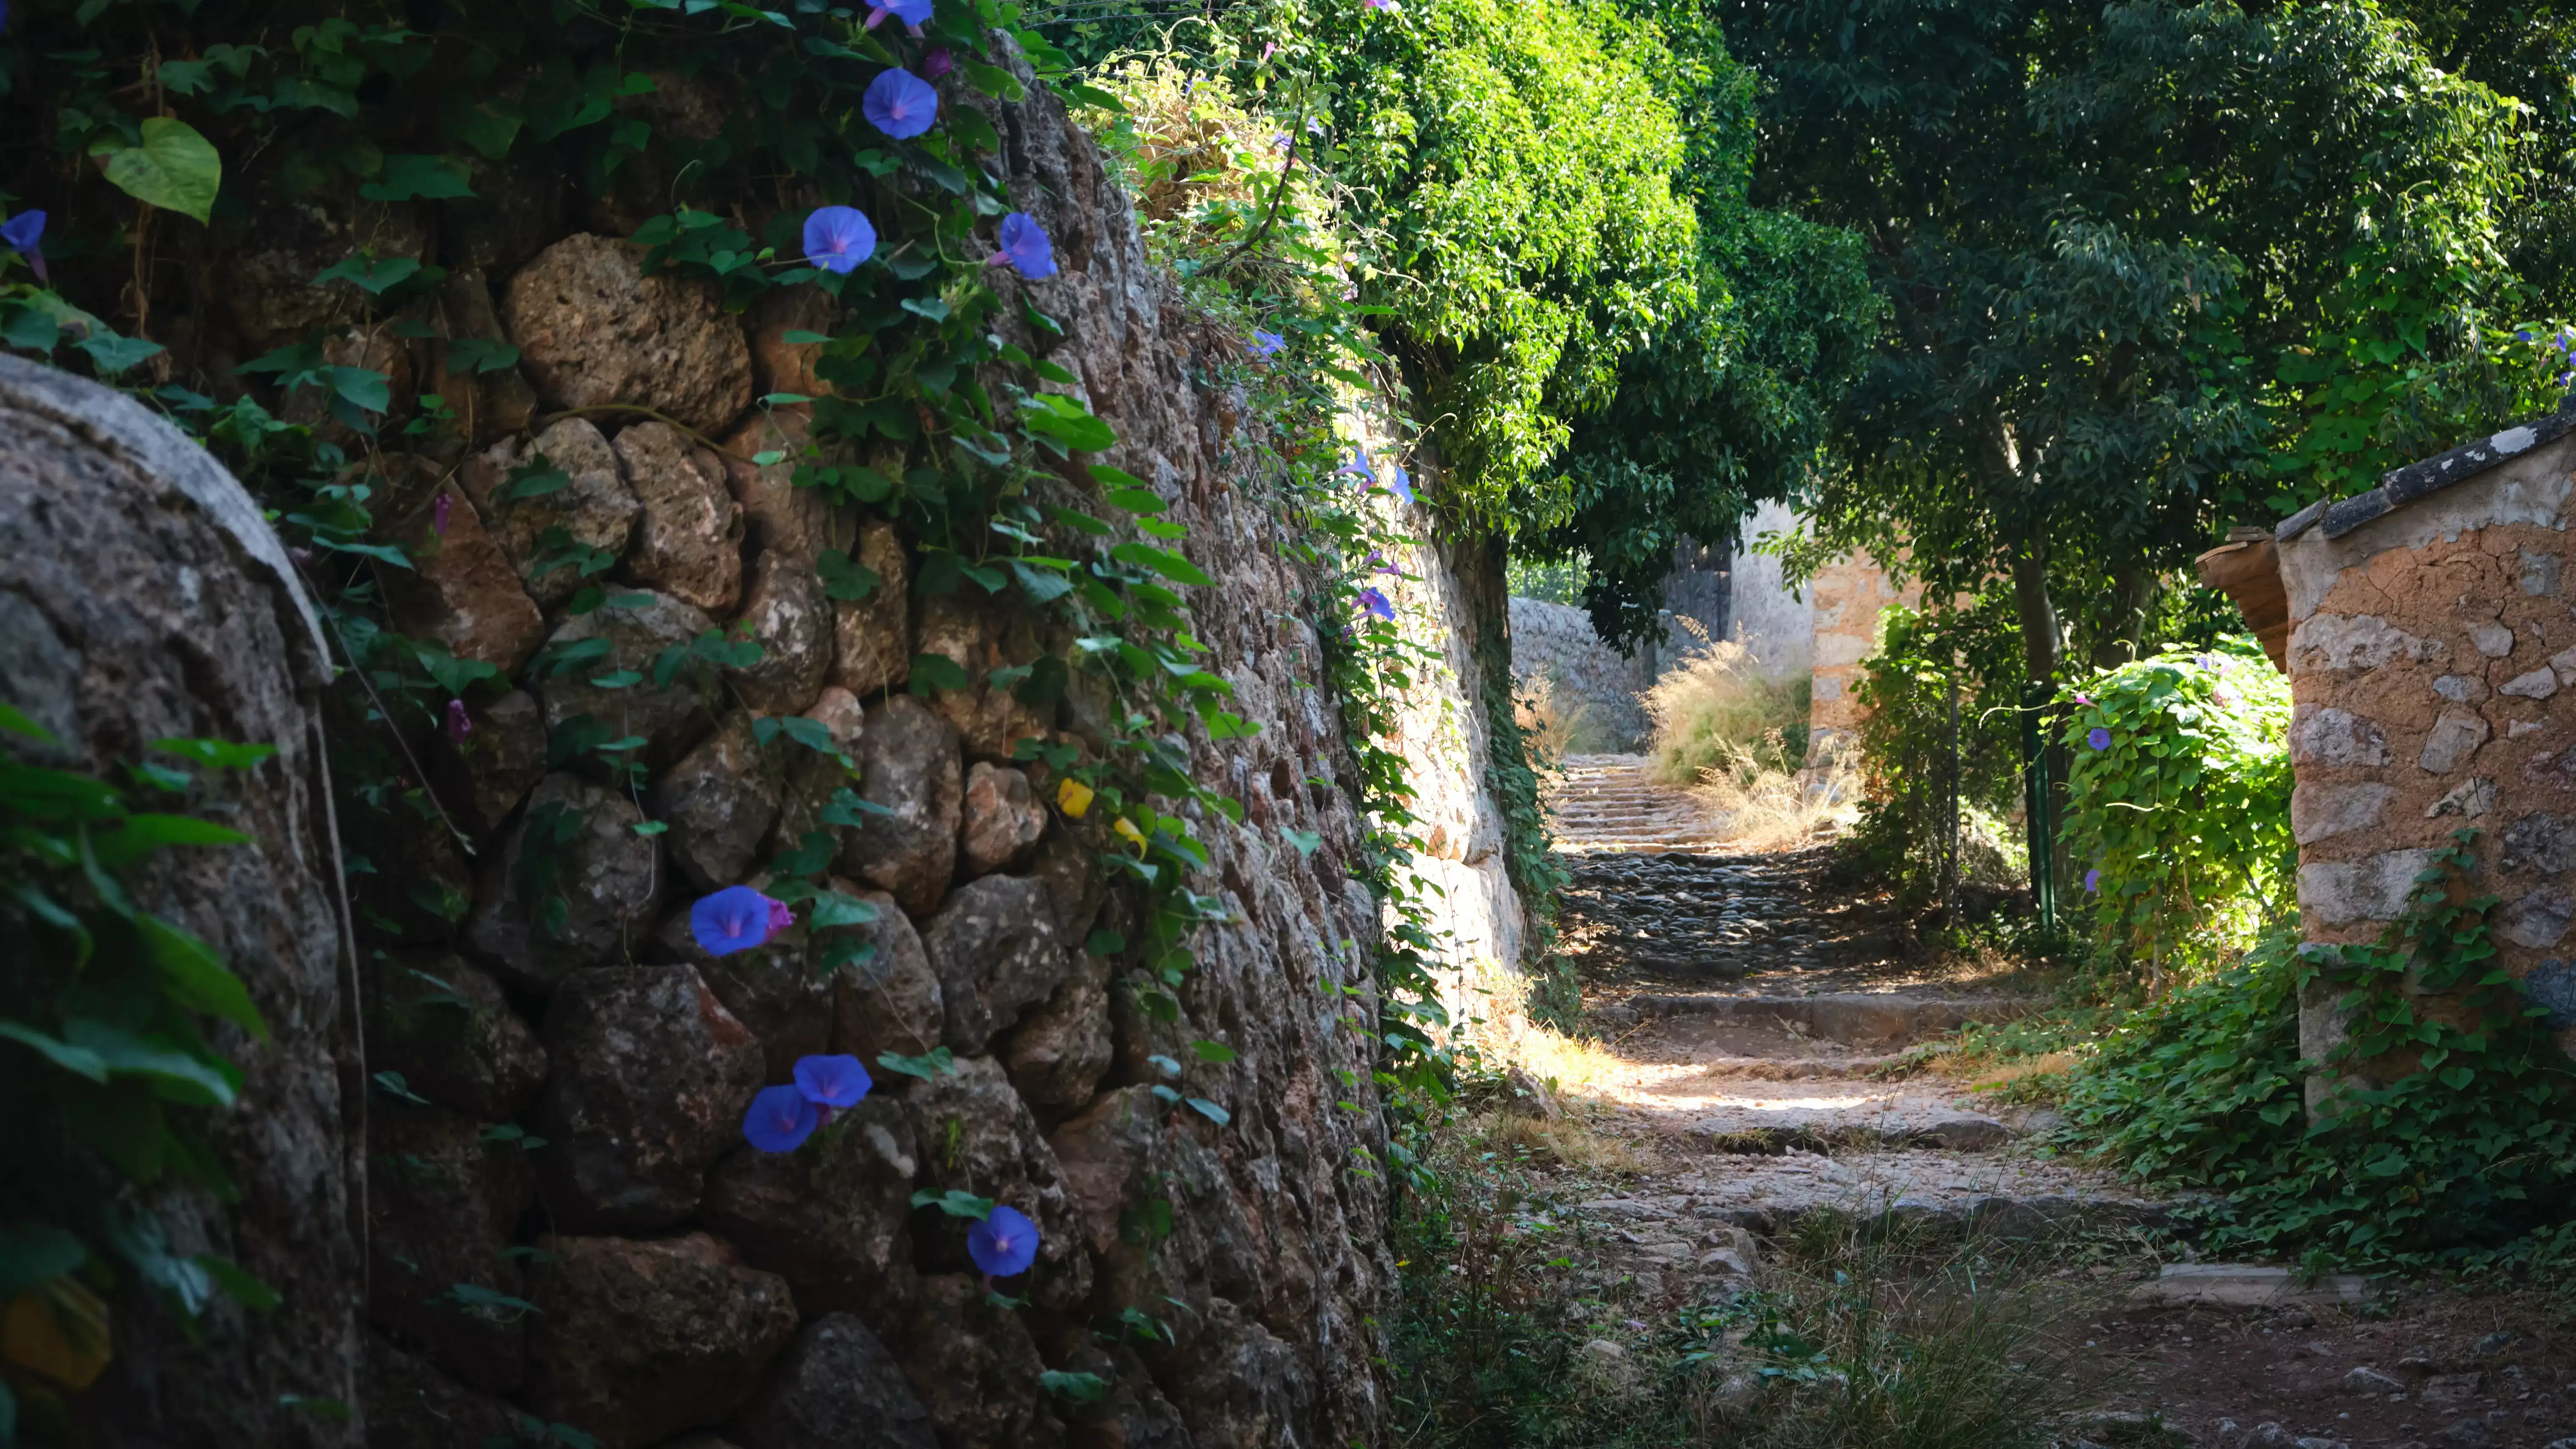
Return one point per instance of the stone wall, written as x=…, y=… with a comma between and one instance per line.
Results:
x=1848, y=596
x=2431, y=639
x=1773, y=621
x=1554, y=648
x=643, y=1273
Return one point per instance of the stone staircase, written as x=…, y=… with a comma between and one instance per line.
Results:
x=1614, y=803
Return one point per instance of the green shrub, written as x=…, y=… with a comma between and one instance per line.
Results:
x=2178, y=801
x=1906, y=743
x=1720, y=713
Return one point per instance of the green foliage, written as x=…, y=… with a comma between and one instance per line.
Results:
x=2179, y=821
x=1905, y=745
x=2449, y=1129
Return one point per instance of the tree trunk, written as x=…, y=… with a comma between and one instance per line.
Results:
x=2039, y=631
x=143, y=597
x=2133, y=595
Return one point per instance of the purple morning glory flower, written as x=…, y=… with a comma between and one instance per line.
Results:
x=2099, y=739
x=780, y=918
x=2205, y=661
x=2093, y=880
x=937, y=63
x=1376, y=603
x=458, y=726
x=2084, y=699
x=1004, y=1244
x=1401, y=483
x=24, y=232
x=1358, y=467
x=1025, y=247
x=438, y=512
x=832, y=1081
x=2522, y=334
x=1267, y=344
x=736, y=918
x=900, y=104
x=910, y=12
x=780, y=1120
x=1384, y=5
x=838, y=238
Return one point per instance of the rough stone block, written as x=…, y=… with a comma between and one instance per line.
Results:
x=2455, y=737
x=2537, y=684
x=2375, y=888
x=596, y=511
x=832, y=1217
x=890, y=1002
x=670, y=717
x=772, y=989
x=484, y=776
x=872, y=637
x=2320, y=811
x=1057, y=1054
x=463, y=589
x=1003, y=819
x=690, y=542
x=589, y=861
x=593, y=329
x=2540, y=919
x=2540, y=841
x=651, y=1078
x=446, y=1027
x=442, y=1206
x=2328, y=736
x=981, y=635
x=787, y=615
x=996, y=951
x=2491, y=639
x=637, y=1341
x=975, y=1368
x=982, y=1139
x=2469, y=799
x=720, y=801
x=908, y=763
x=837, y=1388
x=2338, y=642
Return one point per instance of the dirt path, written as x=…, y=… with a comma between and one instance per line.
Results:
x=1751, y=1006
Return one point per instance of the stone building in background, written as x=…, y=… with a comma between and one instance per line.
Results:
x=1846, y=600
x=2432, y=662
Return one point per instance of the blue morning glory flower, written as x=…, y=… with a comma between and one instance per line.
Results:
x=910, y=12
x=780, y=1120
x=23, y=233
x=2522, y=334
x=832, y=1081
x=1358, y=467
x=1004, y=1244
x=1267, y=344
x=2093, y=880
x=2099, y=739
x=736, y=918
x=1401, y=483
x=1376, y=603
x=1025, y=247
x=900, y=104
x=838, y=238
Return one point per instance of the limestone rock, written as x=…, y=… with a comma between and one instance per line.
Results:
x=787, y=615
x=484, y=776
x=772, y=989
x=410, y=1405
x=872, y=637
x=1967, y=1132
x=1003, y=819
x=837, y=1388
x=2469, y=799
x=2491, y=639
x=1124, y=1149
x=907, y=763
x=576, y=848
x=2538, y=684
x=273, y=251
x=446, y=1027
x=832, y=1217
x=891, y=1001
x=690, y=544
x=1058, y=1053
x=442, y=1205
x=2455, y=737
x=981, y=1139
x=595, y=510
x=651, y=1078
x=2540, y=841
x=778, y=365
x=1068, y=864
x=463, y=589
x=982, y=634
x=2540, y=919
x=2375, y=888
x=2321, y=811
x=593, y=329
x=636, y=1341
x=1524, y=1095
x=995, y=949
x=670, y=717
x=720, y=801
x=813, y=777
x=490, y=404
x=780, y=517
x=975, y=1368
x=2329, y=736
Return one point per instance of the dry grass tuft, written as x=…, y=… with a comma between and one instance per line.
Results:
x=1739, y=737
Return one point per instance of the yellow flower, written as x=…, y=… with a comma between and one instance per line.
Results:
x=1127, y=827
x=1073, y=798
x=58, y=1329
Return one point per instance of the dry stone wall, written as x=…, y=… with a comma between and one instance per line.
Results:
x=2432, y=661
x=644, y=1274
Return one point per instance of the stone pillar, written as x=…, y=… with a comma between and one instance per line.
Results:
x=1848, y=597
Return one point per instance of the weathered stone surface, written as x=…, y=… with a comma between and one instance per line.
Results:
x=720, y=802
x=596, y=511
x=484, y=776
x=637, y=1341
x=272, y=253
x=837, y=1388
x=1057, y=1054
x=446, y=1027
x=981, y=1139
x=997, y=952
x=462, y=590
x=772, y=989
x=690, y=542
x=671, y=717
x=2538, y=684
x=833, y=1216
x=1968, y=1132
x=2329, y=736
x=2371, y=889
x=780, y=516
x=787, y=615
x=442, y=1205
x=593, y=329
x=586, y=856
x=890, y=1002
x=1133, y=1414
x=872, y=637
x=983, y=633
x=2491, y=639
x=2320, y=811
x=2461, y=688
x=2338, y=642
x=489, y=404
x=410, y=1405
x=2469, y=799
x=2540, y=919
x=407, y=875
x=908, y=763
x=2540, y=841
x=1003, y=819
x=1067, y=863
x=813, y=777
x=651, y=1078
x=2455, y=737
x=778, y=365
x=975, y=1368
x=1127, y=1148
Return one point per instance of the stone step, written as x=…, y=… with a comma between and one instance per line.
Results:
x=1858, y=1017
